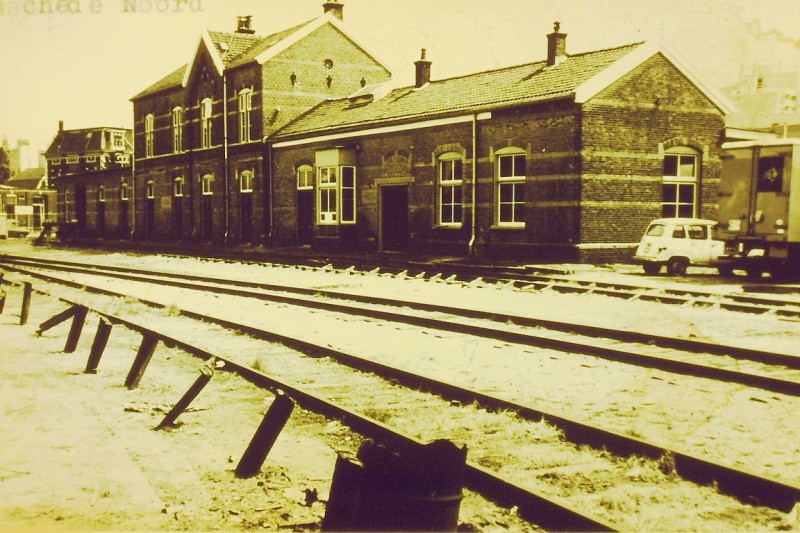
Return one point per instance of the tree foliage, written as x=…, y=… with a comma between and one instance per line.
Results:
x=5, y=162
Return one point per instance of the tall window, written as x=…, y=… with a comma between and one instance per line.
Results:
x=101, y=194
x=177, y=187
x=450, y=181
x=148, y=134
x=336, y=195
x=177, y=130
x=117, y=140
x=327, y=181
x=124, y=193
x=246, y=181
x=305, y=178
x=205, y=123
x=150, y=189
x=511, y=190
x=245, y=106
x=679, y=188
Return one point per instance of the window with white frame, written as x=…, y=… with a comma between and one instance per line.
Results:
x=327, y=195
x=177, y=187
x=149, y=132
x=305, y=177
x=511, y=189
x=150, y=189
x=205, y=123
x=91, y=159
x=246, y=181
x=118, y=140
x=449, y=198
x=124, y=192
x=245, y=106
x=177, y=129
x=206, y=183
x=101, y=194
x=679, y=187
x=73, y=159
x=55, y=161
x=67, y=204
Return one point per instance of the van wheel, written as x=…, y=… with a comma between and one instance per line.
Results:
x=754, y=273
x=725, y=271
x=651, y=269
x=676, y=266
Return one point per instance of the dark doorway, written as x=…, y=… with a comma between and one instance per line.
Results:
x=149, y=218
x=101, y=218
x=394, y=217
x=246, y=216
x=207, y=220
x=305, y=216
x=177, y=216
x=123, y=227
x=80, y=208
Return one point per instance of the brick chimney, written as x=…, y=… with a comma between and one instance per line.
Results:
x=423, y=71
x=60, y=125
x=243, y=24
x=335, y=7
x=556, y=46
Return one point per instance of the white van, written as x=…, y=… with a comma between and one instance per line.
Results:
x=677, y=243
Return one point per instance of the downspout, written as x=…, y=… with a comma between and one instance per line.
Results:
x=226, y=192
x=133, y=187
x=269, y=191
x=473, y=215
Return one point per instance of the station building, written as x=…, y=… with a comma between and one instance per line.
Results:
x=301, y=138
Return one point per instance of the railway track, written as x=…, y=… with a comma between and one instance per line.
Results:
x=744, y=485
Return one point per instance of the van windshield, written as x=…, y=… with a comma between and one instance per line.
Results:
x=655, y=230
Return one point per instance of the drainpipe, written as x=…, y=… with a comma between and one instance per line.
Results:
x=226, y=193
x=133, y=189
x=474, y=184
x=269, y=192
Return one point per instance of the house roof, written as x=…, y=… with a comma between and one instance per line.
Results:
x=521, y=84
x=579, y=76
x=87, y=140
x=27, y=179
x=233, y=49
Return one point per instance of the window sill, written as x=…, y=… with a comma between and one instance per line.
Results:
x=506, y=227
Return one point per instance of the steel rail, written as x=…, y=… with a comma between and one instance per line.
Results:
x=618, y=355
x=522, y=278
x=746, y=486
x=688, y=345
x=548, y=512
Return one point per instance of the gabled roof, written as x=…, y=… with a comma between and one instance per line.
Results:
x=579, y=77
x=29, y=179
x=87, y=140
x=233, y=49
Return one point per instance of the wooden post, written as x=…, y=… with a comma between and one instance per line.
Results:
x=206, y=373
x=26, y=303
x=57, y=319
x=98, y=345
x=265, y=436
x=75, y=331
x=146, y=349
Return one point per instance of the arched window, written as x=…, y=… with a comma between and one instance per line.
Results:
x=245, y=106
x=450, y=178
x=101, y=194
x=679, y=186
x=207, y=181
x=124, y=192
x=205, y=123
x=149, y=132
x=305, y=177
x=177, y=187
x=510, y=187
x=246, y=181
x=177, y=129
x=150, y=189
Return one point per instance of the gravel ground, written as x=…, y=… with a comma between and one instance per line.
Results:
x=77, y=452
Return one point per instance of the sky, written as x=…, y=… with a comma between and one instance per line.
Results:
x=83, y=64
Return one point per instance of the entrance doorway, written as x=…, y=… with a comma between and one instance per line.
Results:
x=394, y=217
x=305, y=216
x=246, y=216
x=80, y=208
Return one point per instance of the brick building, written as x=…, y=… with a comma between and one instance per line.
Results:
x=91, y=169
x=201, y=160
x=569, y=158
x=301, y=138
